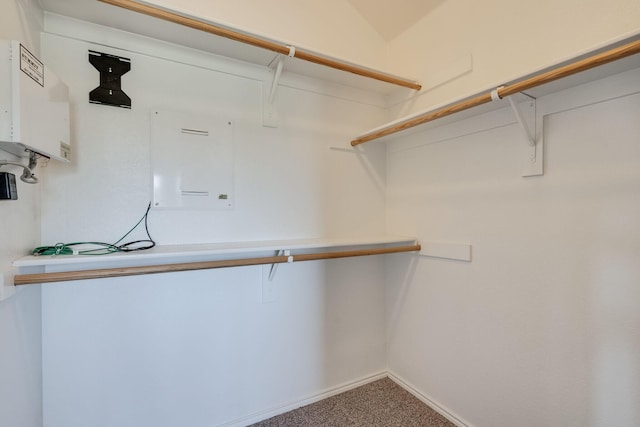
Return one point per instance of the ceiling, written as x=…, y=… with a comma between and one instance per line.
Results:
x=389, y=18
x=392, y=17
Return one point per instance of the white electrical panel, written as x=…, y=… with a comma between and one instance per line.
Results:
x=34, y=105
x=191, y=161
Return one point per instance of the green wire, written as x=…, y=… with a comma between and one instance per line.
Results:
x=104, y=249
x=132, y=228
x=66, y=249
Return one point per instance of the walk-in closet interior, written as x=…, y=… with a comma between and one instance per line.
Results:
x=435, y=197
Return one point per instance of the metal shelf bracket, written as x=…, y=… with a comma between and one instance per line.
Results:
x=524, y=109
x=522, y=121
x=269, y=112
x=274, y=267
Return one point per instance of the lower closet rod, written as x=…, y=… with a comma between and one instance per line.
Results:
x=65, y=276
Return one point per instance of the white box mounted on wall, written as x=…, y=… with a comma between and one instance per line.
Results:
x=191, y=161
x=34, y=105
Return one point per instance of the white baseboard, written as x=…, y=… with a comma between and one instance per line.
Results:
x=272, y=412
x=263, y=415
x=442, y=410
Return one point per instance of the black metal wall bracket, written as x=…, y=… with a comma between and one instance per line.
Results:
x=111, y=69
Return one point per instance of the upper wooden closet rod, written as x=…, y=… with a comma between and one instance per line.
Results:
x=537, y=80
x=64, y=276
x=259, y=42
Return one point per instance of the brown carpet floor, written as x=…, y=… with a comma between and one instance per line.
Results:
x=381, y=403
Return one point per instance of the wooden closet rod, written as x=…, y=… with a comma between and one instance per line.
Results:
x=259, y=42
x=65, y=276
x=537, y=80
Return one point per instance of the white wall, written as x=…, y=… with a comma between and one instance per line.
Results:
x=506, y=39
x=20, y=333
x=200, y=348
x=541, y=328
x=22, y=20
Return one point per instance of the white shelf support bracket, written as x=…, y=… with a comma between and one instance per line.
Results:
x=274, y=267
x=268, y=274
x=276, y=81
x=524, y=109
x=269, y=112
x=526, y=130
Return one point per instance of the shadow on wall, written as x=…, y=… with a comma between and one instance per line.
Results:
x=400, y=271
x=615, y=367
x=354, y=319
